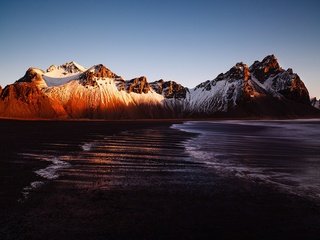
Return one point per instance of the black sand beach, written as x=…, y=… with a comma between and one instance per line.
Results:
x=133, y=180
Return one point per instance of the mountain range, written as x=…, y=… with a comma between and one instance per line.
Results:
x=71, y=91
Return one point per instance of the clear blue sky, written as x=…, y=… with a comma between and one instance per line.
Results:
x=186, y=41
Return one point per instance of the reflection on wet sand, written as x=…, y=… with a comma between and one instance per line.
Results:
x=108, y=161
x=141, y=180
x=282, y=153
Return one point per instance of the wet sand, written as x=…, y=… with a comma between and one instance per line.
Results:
x=133, y=180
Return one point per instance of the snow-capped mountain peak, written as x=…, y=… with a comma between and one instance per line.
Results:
x=239, y=71
x=58, y=75
x=67, y=68
x=70, y=90
x=169, y=89
x=96, y=72
x=241, y=84
x=268, y=67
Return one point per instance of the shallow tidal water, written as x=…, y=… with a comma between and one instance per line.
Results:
x=117, y=160
x=285, y=154
x=159, y=180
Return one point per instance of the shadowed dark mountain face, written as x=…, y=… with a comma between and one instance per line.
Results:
x=71, y=91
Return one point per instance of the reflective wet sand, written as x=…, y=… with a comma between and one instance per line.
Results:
x=285, y=154
x=138, y=180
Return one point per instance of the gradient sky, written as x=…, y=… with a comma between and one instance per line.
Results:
x=186, y=41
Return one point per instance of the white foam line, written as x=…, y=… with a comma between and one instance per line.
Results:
x=87, y=147
x=51, y=172
x=193, y=148
x=48, y=173
x=26, y=190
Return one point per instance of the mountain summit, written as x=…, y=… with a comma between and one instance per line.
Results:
x=72, y=91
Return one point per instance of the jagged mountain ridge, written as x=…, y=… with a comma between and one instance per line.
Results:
x=72, y=91
x=252, y=90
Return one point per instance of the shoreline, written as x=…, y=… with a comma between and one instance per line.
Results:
x=160, y=119
x=148, y=194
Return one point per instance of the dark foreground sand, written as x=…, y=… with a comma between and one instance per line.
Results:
x=166, y=198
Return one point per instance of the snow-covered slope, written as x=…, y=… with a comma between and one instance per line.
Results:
x=315, y=103
x=219, y=94
x=103, y=100
x=95, y=93
x=263, y=82
x=278, y=81
x=58, y=75
x=72, y=91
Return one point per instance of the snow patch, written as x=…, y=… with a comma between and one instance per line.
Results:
x=80, y=67
x=59, y=75
x=38, y=71
x=219, y=97
x=105, y=93
x=55, y=79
